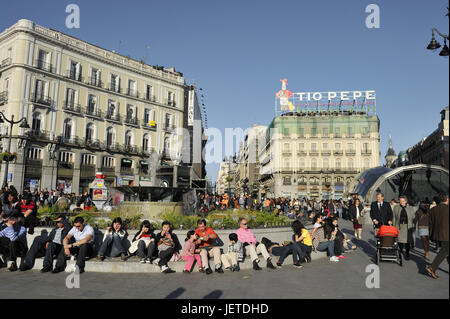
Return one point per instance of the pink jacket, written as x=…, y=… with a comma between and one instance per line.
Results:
x=188, y=249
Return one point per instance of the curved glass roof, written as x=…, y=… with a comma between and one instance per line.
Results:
x=368, y=178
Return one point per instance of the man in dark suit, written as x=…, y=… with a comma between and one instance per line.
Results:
x=380, y=212
x=439, y=232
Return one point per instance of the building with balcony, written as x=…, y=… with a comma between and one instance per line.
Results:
x=89, y=110
x=317, y=155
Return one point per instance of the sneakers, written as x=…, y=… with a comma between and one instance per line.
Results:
x=24, y=267
x=431, y=272
x=279, y=264
x=308, y=258
x=342, y=257
x=143, y=260
x=185, y=271
x=334, y=258
x=100, y=258
x=269, y=264
x=57, y=270
x=201, y=269
x=208, y=271
x=298, y=265
x=219, y=270
x=123, y=257
x=46, y=269
x=237, y=268
x=165, y=269
x=256, y=266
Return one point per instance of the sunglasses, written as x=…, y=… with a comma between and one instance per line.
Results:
x=244, y=224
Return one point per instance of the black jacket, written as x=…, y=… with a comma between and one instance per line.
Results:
x=383, y=216
x=352, y=210
x=64, y=232
x=177, y=247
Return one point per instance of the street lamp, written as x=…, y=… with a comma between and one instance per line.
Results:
x=435, y=44
x=11, y=122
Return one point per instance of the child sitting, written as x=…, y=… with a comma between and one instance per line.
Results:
x=235, y=254
x=190, y=253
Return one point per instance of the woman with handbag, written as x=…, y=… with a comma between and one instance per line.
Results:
x=422, y=220
x=356, y=216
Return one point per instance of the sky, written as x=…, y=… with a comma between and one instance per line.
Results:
x=237, y=52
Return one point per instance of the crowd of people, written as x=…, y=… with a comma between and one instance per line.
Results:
x=19, y=215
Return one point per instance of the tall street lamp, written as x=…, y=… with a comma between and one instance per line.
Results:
x=11, y=122
x=435, y=44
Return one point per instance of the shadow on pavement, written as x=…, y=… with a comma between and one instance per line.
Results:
x=214, y=294
x=176, y=293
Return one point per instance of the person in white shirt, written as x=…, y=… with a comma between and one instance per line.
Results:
x=79, y=240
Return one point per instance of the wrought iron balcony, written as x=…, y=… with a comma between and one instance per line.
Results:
x=42, y=65
x=114, y=117
x=150, y=98
x=127, y=170
x=170, y=103
x=114, y=147
x=132, y=92
x=350, y=152
x=95, y=81
x=39, y=98
x=5, y=63
x=131, y=149
x=71, y=106
x=73, y=140
x=72, y=74
x=326, y=153
x=301, y=153
x=92, y=111
x=132, y=121
x=314, y=153
x=3, y=97
x=114, y=88
x=148, y=126
x=338, y=152
x=94, y=144
x=40, y=135
x=366, y=152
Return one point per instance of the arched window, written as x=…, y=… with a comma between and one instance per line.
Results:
x=302, y=163
x=350, y=163
x=36, y=126
x=68, y=128
x=314, y=163
x=366, y=163
x=325, y=163
x=110, y=136
x=90, y=131
x=338, y=163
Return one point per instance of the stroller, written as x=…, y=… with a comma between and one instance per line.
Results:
x=387, y=245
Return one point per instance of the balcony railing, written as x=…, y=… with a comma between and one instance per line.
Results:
x=5, y=63
x=72, y=107
x=169, y=127
x=350, y=152
x=131, y=149
x=95, y=81
x=40, y=99
x=338, y=152
x=132, y=121
x=42, y=65
x=366, y=152
x=313, y=153
x=127, y=170
x=301, y=153
x=94, y=144
x=148, y=126
x=337, y=135
x=326, y=153
x=132, y=92
x=37, y=134
x=91, y=111
x=3, y=97
x=170, y=103
x=114, y=147
x=107, y=169
x=114, y=117
x=73, y=140
x=114, y=88
x=72, y=74
x=150, y=98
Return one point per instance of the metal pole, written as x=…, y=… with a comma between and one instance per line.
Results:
x=5, y=178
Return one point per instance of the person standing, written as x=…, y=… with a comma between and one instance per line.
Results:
x=403, y=219
x=439, y=232
x=380, y=213
x=356, y=216
x=422, y=220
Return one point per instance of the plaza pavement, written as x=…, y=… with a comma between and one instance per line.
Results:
x=319, y=279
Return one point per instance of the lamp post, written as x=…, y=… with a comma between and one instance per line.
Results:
x=435, y=44
x=11, y=122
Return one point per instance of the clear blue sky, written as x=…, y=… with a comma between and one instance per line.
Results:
x=238, y=51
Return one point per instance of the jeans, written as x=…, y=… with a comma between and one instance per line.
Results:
x=283, y=252
x=149, y=252
x=112, y=246
x=302, y=250
x=36, y=250
x=14, y=249
x=327, y=245
x=164, y=256
x=53, y=249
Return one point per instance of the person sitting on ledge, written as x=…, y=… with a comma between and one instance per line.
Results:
x=282, y=251
x=190, y=253
x=323, y=240
x=81, y=238
x=143, y=243
x=47, y=247
x=168, y=244
x=235, y=254
x=207, y=244
x=302, y=241
x=113, y=241
x=13, y=240
x=246, y=236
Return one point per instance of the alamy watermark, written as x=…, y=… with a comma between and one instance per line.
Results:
x=373, y=279
x=373, y=19
x=73, y=280
x=73, y=19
